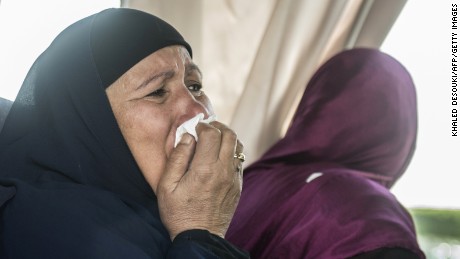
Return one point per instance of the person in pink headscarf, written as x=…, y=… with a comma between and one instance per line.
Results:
x=322, y=190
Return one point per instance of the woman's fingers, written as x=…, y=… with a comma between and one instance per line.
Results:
x=216, y=141
x=200, y=180
x=229, y=141
x=239, y=162
x=208, y=145
x=178, y=163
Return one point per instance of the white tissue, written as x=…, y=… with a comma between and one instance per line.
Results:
x=190, y=125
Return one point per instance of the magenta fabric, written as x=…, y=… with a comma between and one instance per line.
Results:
x=355, y=129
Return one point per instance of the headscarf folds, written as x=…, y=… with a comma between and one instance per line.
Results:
x=358, y=110
x=321, y=191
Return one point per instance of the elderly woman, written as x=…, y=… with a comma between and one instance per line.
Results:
x=322, y=190
x=88, y=163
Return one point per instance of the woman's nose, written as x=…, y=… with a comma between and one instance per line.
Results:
x=190, y=107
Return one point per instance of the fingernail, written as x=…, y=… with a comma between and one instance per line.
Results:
x=186, y=139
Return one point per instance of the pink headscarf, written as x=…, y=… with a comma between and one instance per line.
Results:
x=355, y=130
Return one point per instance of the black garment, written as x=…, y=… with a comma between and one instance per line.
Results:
x=69, y=186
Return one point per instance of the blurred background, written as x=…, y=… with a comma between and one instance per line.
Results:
x=420, y=39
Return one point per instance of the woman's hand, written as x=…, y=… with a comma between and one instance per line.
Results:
x=202, y=183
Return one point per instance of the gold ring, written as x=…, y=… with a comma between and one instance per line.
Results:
x=240, y=156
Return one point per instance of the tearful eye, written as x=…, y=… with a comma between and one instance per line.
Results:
x=158, y=93
x=195, y=89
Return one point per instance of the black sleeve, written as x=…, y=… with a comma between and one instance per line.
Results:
x=194, y=244
x=387, y=253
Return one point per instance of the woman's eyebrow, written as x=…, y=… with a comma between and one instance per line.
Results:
x=190, y=67
x=165, y=75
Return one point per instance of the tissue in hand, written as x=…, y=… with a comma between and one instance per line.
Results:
x=189, y=126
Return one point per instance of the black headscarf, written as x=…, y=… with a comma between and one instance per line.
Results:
x=61, y=126
x=64, y=163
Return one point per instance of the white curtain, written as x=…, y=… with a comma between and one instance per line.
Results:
x=257, y=56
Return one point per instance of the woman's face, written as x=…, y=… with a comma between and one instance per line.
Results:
x=151, y=100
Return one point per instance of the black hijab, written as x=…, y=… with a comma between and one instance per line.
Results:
x=64, y=164
x=61, y=127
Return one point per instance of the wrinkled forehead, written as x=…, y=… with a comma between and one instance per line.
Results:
x=168, y=62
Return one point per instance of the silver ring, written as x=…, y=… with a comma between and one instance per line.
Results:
x=240, y=156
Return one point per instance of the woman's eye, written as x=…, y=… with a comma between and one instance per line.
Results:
x=158, y=93
x=195, y=88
